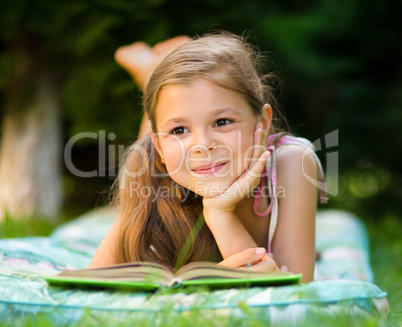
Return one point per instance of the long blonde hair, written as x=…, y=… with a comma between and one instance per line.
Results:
x=156, y=229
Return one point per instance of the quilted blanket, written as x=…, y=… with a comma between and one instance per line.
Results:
x=343, y=281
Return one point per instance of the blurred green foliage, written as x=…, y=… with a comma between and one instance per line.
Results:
x=340, y=62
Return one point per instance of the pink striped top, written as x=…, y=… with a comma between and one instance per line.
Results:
x=272, y=179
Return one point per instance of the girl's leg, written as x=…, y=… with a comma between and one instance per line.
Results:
x=140, y=61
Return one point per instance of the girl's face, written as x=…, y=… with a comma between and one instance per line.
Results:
x=205, y=135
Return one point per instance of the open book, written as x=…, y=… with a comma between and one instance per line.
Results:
x=148, y=276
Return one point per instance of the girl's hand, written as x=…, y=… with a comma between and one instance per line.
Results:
x=227, y=200
x=257, y=257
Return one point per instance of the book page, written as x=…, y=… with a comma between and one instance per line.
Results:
x=132, y=272
x=196, y=270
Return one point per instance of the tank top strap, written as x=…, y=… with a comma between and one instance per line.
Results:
x=270, y=172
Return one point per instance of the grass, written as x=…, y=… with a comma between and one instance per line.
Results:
x=31, y=226
x=197, y=318
x=35, y=226
x=386, y=254
x=386, y=251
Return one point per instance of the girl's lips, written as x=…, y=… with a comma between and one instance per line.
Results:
x=210, y=170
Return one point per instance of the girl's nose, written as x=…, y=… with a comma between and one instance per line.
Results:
x=202, y=148
x=203, y=142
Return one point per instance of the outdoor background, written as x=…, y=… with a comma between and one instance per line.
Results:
x=340, y=62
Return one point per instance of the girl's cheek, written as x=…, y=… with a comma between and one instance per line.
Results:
x=174, y=162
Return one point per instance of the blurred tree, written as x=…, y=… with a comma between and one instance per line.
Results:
x=60, y=54
x=30, y=144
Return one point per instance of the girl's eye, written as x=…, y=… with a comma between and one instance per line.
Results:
x=178, y=130
x=223, y=122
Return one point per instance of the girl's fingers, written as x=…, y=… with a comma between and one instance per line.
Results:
x=244, y=258
x=258, y=147
x=264, y=265
x=253, y=175
x=267, y=265
x=256, y=257
x=260, y=142
x=265, y=138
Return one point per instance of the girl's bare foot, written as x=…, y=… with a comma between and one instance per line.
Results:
x=140, y=60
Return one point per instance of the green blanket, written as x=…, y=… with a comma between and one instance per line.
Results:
x=343, y=281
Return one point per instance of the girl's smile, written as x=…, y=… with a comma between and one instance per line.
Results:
x=208, y=169
x=205, y=135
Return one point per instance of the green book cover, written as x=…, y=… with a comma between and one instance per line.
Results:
x=148, y=276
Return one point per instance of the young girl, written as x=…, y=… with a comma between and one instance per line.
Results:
x=202, y=158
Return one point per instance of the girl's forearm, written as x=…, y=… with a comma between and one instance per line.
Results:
x=229, y=233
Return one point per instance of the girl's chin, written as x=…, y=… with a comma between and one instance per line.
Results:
x=206, y=190
x=208, y=194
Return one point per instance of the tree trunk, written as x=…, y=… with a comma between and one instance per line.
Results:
x=30, y=147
